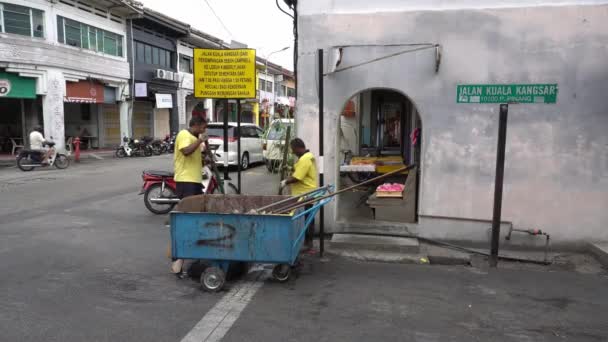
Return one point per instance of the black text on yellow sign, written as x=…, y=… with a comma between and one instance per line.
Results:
x=224, y=74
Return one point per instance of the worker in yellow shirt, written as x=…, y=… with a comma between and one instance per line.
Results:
x=188, y=159
x=188, y=169
x=303, y=179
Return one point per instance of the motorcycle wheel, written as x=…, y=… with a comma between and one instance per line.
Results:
x=62, y=162
x=163, y=149
x=154, y=191
x=24, y=160
x=156, y=150
x=120, y=153
x=147, y=151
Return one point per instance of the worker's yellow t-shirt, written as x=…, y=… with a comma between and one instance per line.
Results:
x=187, y=168
x=305, y=171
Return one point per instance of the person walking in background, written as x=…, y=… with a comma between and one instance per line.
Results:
x=303, y=179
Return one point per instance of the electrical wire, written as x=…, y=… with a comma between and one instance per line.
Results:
x=218, y=18
x=282, y=10
x=424, y=47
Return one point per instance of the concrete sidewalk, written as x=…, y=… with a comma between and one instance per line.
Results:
x=346, y=300
x=7, y=160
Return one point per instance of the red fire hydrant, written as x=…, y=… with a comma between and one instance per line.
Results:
x=76, y=143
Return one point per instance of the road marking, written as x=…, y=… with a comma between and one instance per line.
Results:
x=216, y=323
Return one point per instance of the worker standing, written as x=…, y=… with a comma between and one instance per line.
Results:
x=188, y=163
x=303, y=179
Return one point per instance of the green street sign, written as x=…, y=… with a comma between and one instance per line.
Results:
x=507, y=93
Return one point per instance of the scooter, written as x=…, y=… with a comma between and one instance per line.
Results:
x=159, y=190
x=133, y=147
x=27, y=160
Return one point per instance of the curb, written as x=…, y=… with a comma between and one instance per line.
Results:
x=376, y=256
x=600, y=251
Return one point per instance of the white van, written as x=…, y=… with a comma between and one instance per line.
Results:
x=251, y=143
x=274, y=141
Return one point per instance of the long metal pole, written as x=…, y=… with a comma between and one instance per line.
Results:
x=238, y=144
x=321, y=161
x=289, y=199
x=301, y=204
x=284, y=157
x=498, y=182
x=226, y=142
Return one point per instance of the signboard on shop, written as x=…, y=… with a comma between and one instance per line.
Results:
x=84, y=92
x=164, y=101
x=507, y=93
x=15, y=86
x=141, y=89
x=224, y=74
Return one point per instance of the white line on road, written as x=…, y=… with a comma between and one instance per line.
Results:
x=216, y=323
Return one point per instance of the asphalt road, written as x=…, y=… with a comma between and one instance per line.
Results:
x=83, y=260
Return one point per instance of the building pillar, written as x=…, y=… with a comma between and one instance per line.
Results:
x=181, y=109
x=52, y=109
x=125, y=109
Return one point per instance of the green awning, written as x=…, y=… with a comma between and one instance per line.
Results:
x=15, y=86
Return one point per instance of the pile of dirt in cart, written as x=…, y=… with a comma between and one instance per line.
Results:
x=228, y=204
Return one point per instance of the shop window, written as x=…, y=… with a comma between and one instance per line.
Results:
x=281, y=90
x=74, y=33
x=185, y=64
x=148, y=57
x=155, y=55
x=139, y=52
x=291, y=92
x=21, y=20
x=148, y=54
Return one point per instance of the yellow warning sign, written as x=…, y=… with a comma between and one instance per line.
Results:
x=224, y=74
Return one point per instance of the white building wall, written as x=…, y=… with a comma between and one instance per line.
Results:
x=556, y=174
x=52, y=63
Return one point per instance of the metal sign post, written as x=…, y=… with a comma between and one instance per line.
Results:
x=321, y=212
x=226, y=142
x=498, y=183
x=238, y=144
x=542, y=93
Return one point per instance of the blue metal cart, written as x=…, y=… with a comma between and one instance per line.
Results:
x=223, y=229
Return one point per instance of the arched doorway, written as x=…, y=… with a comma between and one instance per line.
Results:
x=379, y=131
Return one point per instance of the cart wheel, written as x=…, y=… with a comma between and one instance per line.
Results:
x=281, y=273
x=213, y=279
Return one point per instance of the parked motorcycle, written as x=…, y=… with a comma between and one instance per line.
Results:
x=170, y=142
x=159, y=146
x=132, y=148
x=27, y=160
x=159, y=189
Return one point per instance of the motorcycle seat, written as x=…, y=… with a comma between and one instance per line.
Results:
x=159, y=173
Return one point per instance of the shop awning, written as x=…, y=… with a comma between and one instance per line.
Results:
x=15, y=86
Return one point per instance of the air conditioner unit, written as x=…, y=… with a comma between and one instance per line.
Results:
x=164, y=74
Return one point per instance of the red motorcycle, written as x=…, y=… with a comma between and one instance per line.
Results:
x=159, y=189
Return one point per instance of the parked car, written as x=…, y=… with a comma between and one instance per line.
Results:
x=274, y=143
x=251, y=143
